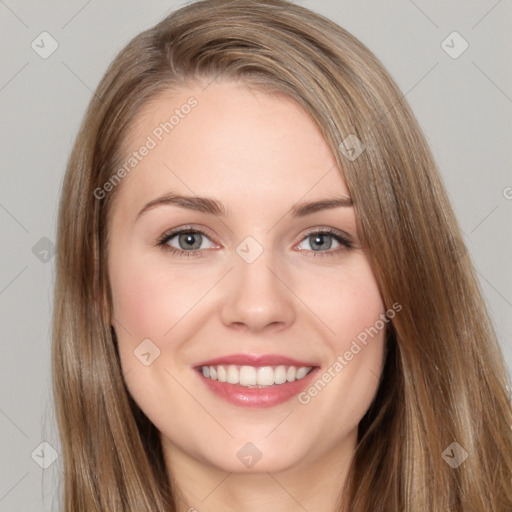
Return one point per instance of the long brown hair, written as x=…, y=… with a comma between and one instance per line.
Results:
x=444, y=379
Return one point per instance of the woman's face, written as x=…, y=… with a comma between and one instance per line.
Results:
x=253, y=288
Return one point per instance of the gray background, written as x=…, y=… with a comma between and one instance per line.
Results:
x=464, y=105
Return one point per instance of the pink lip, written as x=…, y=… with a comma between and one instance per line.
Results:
x=270, y=396
x=255, y=360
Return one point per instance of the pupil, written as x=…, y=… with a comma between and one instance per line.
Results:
x=190, y=241
x=318, y=241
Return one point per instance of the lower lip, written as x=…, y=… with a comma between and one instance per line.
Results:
x=243, y=396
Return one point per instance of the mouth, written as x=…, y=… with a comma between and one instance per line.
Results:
x=255, y=377
x=256, y=381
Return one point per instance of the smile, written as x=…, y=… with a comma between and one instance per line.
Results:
x=254, y=381
x=252, y=376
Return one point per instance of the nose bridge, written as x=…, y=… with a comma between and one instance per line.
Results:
x=257, y=295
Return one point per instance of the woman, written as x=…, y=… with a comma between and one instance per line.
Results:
x=202, y=358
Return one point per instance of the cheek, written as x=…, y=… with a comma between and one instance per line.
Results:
x=352, y=308
x=347, y=303
x=149, y=299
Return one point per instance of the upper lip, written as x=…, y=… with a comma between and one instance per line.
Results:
x=255, y=360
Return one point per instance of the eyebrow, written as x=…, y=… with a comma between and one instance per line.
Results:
x=214, y=207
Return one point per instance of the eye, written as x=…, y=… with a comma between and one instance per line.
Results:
x=189, y=241
x=321, y=241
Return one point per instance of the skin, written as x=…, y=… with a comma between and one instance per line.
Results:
x=259, y=154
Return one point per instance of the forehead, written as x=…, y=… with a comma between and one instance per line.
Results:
x=249, y=148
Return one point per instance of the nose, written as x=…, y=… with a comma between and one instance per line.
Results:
x=258, y=296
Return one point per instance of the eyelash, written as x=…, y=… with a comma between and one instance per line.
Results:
x=162, y=242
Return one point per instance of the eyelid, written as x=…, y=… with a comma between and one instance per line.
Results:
x=332, y=231
x=171, y=233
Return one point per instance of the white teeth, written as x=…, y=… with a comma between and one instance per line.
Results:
x=233, y=375
x=248, y=376
x=255, y=376
x=280, y=375
x=301, y=373
x=222, y=376
x=265, y=376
